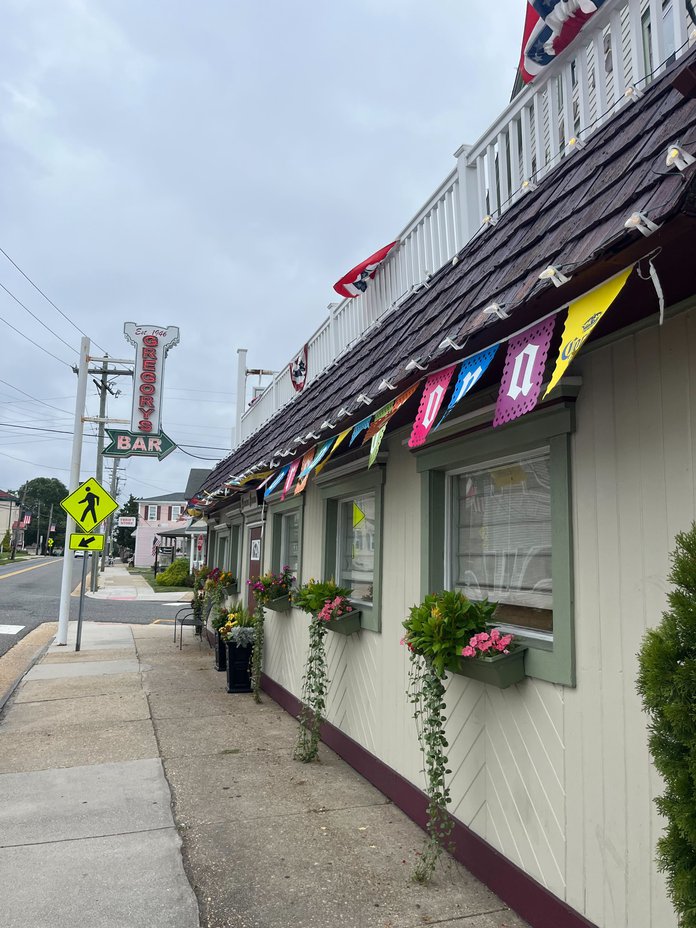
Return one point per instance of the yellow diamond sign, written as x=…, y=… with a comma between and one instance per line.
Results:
x=89, y=505
x=86, y=542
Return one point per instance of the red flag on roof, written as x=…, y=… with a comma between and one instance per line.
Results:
x=355, y=281
x=549, y=27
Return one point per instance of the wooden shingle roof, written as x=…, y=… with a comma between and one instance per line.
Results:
x=574, y=220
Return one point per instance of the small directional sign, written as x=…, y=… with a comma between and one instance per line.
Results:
x=124, y=444
x=89, y=505
x=86, y=542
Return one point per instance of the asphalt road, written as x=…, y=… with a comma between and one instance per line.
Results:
x=30, y=593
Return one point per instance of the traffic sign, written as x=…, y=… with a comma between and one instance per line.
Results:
x=89, y=505
x=123, y=444
x=86, y=542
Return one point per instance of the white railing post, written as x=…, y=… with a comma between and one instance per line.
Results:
x=468, y=204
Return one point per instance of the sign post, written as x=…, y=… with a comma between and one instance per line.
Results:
x=88, y=506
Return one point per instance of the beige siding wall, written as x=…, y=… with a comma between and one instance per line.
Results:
x=558, y=779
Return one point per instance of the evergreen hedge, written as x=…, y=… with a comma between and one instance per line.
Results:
x=667, y=685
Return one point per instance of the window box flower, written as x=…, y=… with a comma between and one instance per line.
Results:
x=501, y=670
x=346, y=624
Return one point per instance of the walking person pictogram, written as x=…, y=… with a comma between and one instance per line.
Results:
x=91, y=499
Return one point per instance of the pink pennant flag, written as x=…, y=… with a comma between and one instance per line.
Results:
x=524, y=370
x=290, y=477
x=306, y=461
x=431, y=400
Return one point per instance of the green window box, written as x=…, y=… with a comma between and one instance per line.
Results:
x=501, y=670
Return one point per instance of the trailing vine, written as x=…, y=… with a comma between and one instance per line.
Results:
x=257, y=652
x=426, y=693
x=314, y=688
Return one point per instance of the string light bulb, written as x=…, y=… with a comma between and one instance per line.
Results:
x=557, y=277
x=575, y=142
x=632, y=93
x=495, y=309
x=488, y=220
x=641, y=223
x=678, y=158
x=414, y=364
x=527, y=186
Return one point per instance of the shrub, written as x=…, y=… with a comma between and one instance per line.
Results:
x=175, y=574
x=667, y=684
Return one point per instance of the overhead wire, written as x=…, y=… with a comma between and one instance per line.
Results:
x=40, y=321
x=35, y=344
x=33, y=398
x=49, y=300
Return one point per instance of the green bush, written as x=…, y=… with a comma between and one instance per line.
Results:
x=667, y=685
x=175, y=574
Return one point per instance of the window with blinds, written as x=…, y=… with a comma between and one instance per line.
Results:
x=500, y=539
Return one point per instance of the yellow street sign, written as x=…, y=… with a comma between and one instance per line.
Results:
x=89, y=505
x=86, y=542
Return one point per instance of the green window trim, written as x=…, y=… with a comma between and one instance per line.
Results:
x=235, y=555
x=552, y=427
x=371, y=481
x=275, y=515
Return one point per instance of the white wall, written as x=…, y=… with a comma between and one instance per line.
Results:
x=558, y=779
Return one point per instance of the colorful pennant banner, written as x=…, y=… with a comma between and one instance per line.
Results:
x=276, y=480
x=339, y=439
x=431, y=401
x=359, y=428
x=290, y=477
x=583, y=316
x=378, y=436
x=523, y=373
x=322, y=451
x=306, y=461
x=387, y=412
x=471, y=371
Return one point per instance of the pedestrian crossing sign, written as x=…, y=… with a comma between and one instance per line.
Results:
x=89, y=505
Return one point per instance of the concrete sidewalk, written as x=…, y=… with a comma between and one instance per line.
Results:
x=137, y=792
x=116, y=582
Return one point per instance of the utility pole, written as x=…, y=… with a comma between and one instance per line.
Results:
x=102, y=386
x=38, y=528
x=65, y=586
x=113, y=490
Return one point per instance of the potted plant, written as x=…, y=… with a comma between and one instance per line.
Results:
x=273, y=590
x=228, y=582
x=218, y=621
x=446, y=632
x=238, y=634
x=326, y=603
x=491, y=657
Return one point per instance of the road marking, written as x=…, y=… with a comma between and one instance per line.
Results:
x=25, y=569
x=11, y=629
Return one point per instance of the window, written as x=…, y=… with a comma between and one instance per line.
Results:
x=286, y=541
x=353, y=529
x=355, y=546
x=290, y=541
x=176, y=512
x=500, y=538
x=152, y=513
x=221, y=550
x=496, y=519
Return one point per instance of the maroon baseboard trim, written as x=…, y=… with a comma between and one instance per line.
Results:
x=532, y=901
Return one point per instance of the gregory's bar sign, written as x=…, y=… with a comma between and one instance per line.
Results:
x=151, y=345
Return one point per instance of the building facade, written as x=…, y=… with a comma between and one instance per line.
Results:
x=157, y=514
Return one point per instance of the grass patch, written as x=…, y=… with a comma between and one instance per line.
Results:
x=6, y=559
x=148, y=574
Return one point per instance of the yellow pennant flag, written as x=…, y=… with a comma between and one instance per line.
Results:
x=339, y=439
x=583, y=316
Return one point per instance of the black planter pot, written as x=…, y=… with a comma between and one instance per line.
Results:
x=220, y=652
x=238, y=659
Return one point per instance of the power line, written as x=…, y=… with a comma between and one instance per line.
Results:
x=40, y=321
x=33, y=463
x=35, y=344
x=37, y=428
x=57, y=308
x=32, y=398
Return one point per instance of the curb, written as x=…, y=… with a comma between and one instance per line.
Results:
x=5, y=697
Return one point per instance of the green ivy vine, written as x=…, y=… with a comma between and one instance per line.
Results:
x=257, y=652
x=314, y=688
x=426, y=692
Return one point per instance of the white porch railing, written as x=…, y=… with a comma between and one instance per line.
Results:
x=625, y=44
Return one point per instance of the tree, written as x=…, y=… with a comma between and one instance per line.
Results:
x=46, y=491
x=667, y=684
x=123, y=535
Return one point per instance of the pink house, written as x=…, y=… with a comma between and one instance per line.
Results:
x=156, y=514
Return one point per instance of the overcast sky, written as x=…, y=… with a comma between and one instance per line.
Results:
x=213, y=165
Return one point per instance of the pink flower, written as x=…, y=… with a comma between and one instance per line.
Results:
x=473, y=641
x=485, y=645
x=495, y=634
x=468, y=651
x=505, y=640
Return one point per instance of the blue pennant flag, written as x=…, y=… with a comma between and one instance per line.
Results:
x=322, y=451
x=471, y=371
x=360, y=427
x=276, y=480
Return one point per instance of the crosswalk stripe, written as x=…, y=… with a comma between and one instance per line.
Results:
x=10, y=629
